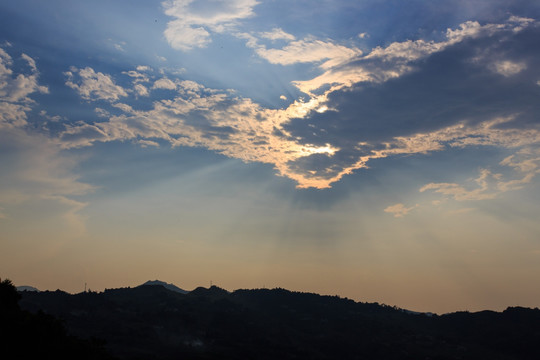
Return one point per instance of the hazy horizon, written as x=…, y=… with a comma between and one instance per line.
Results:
x=383, y=151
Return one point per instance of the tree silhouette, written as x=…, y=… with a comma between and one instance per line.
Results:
x=37, y=335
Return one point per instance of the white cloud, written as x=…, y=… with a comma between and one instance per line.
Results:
x=31, y=62
x=164, y=83
x=94, y=85
x=527, y=163
x=55, y=118
x=141, y=90
x=15, y=90
x=406, y=51
x=146, y=143
x=124, y=107
x=13, y=115
x=277, y=34
x=252, y=41
x=143, y=68
x=195, y=20
x=184, y=37
x=192, y=87
x=102, y=112
x=309, y=50
x=137, y=76
x=399, y=210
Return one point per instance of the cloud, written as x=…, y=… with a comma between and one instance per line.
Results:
x=15, y=89
x=146, y=143
x=398, y=58
x=141, y=90
x=308, y=51
x=508, y=68
x=526, y=163
x=195, y=20
x=277, y=34
x=326, y=53
x=137, y=76
x=143, y=68
x=393, y=101
x=55, y=118
x=399, y=210
x=119, y=47
x=94, y=85
x=164, y=83
x=459, y=193
x=35, y=171
x=203, y=117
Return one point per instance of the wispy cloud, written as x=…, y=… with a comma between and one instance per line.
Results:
x=399, y=210
x=277, y=34
x=482, y=192
x=308, y=51
x=508, y=68
x=489, y=185
x=39, y=172
x=195, y=21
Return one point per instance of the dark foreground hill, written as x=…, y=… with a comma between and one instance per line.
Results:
x=152, y=322
x=25, y=335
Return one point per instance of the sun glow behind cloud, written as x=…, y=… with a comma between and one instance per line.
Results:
x=240, y=128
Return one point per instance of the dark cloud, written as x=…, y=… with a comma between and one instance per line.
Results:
x=458, y=84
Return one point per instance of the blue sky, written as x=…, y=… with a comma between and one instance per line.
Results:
x=380, y=150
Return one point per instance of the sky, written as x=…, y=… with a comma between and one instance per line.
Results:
x=381, y=150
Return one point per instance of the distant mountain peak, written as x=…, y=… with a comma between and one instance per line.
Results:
x=171, y=287
x=26, y=288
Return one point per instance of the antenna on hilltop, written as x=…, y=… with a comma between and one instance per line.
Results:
x=84, y=287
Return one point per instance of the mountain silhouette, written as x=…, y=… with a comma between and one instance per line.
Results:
x=171, y=287
x=26, y=288
x=153, y=322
